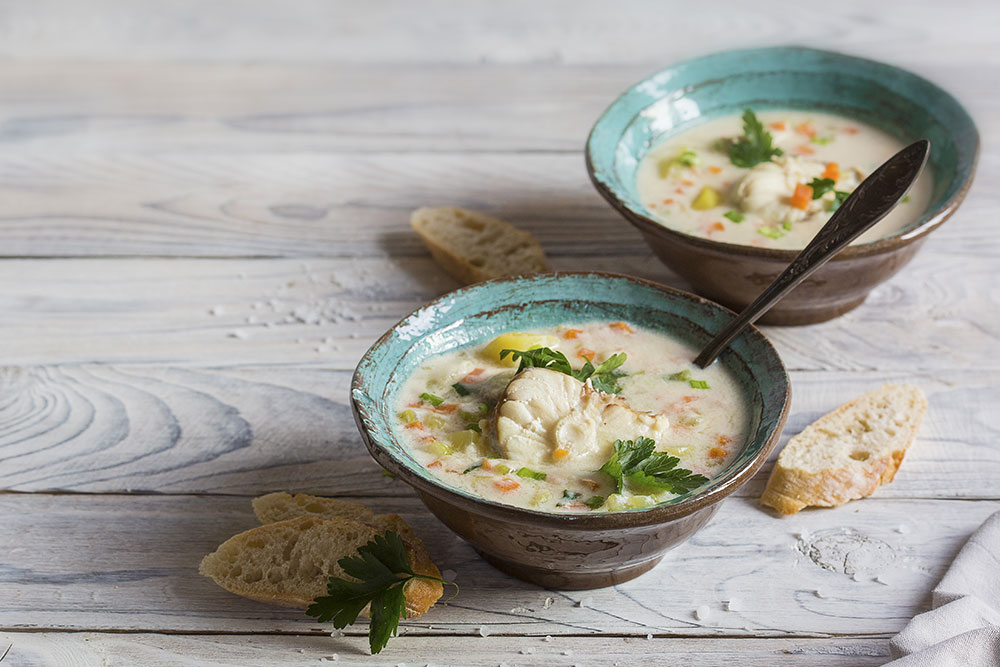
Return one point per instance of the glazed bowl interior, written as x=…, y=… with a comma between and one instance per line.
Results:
x=675, y=99
x=477, y=313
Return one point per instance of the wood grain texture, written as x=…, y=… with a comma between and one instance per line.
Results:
x=44, y=649
x=942, y=312
x=155, y=429
x=130, y=563
x=519, y=31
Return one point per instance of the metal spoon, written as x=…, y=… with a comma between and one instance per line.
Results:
x=870, y=202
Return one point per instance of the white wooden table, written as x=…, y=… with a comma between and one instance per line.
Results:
x=203, y=225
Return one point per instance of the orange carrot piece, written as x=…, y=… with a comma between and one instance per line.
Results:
x=590, y=484
x=687, y=183
x=724, y=440
x=780, y=125
x=572, y=333
x=472, y=377
x=688, y=399
x=586, y=354
x=717, y=227
x=487, y=464
x=416, y=424
x=807, y=129
x=506, y=484
x=668, y=201
x=716, y=453
x=622, y=326
x=436, y=463
x=558, y=454
x=679, y=191
x=652, y=206
x=832, y=171
x=715, y=170
x=851, y=130
x=805, y=149
x=802, y=196
x=447, y=408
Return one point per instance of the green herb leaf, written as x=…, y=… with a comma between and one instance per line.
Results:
x=688, y=158
x=603, y=377
x=822, y=141
x=905, y=200
x=532, y=474
x=432, y=399
x=641, y=467
x=460, y=390
x=821, y=186
x=472, y=467
x=570, y=495
x=473, y=427
x=838, y=198
x=698, y=384
x=755, y=146
x=770, y=232
x=735, y=216
x=594, y=502
x=382, y=570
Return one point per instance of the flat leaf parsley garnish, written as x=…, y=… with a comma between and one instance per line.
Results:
x=603, y=377
x=756, y=146
x=820, y=186
x=382, y=570
x=637, y=464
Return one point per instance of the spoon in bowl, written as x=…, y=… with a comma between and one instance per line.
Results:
x=870, y=202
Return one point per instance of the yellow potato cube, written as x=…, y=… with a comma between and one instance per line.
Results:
x=706, y=199
x=516, y=340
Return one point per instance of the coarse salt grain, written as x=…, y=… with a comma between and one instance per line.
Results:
x=547, y=638
x=702, y=612
x=820, y=593
x=881, y=580
x=548, y=602
x=649, y=635
x=732, y=605
x=217, y=310
x=527, y=651
x=484, y=631
x=238, y=333
x=902, y=528
x=585, y=602
x=567, y=652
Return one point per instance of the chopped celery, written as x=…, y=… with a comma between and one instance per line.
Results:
x=439, y=448
x=533, y=474
x=735, y=216
x=433, y=421
x=637, y=502
x=787, y=226
x=541, y=498
x=680, y=376
x=615, y=502
x=688, y=158
x=678, y=451
x=770, y=232
x=698, y=384
x=462, y=439
x=432, y=399
x=407, y=416
x=501, y=469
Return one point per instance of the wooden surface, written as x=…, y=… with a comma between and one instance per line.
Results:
x=204, y=225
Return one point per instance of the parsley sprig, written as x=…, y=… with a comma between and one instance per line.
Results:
x=756, y=146
x=642, y=468
x=603, y=377
x=382, y=570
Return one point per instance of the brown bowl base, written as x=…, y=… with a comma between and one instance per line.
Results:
x=570, y=581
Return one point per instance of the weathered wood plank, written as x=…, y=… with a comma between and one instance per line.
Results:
x=157, y=429
x=519, y=31
x=86, y=562
x=43, y=649
x=941, y=312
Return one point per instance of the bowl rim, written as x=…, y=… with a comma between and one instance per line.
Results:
x=648, y=225
x=655, y=514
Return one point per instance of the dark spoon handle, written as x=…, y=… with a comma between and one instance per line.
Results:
x=870, y=202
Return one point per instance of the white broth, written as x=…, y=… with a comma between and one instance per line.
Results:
x=539, y=438
x=690, y=183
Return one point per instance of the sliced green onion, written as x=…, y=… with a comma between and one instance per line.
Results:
x=698, y=384
x=680, y=376
x=533, y=474
x=483, y=408
x=822, y=141
x=735, y=216
x=432, y=399
x=460, y=390
x=787, y=226
x=472, y=467
x=770, y=232
x=688, y=158
x=474, y=427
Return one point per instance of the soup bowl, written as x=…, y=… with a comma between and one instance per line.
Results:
x=569, y=551
x=679, y=97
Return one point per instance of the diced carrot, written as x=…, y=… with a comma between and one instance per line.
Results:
x=436, y=463
x=679, y=191
x=715, y=170
x=805, y=149
x=506, y=484
x=851, y=130
x=780, y=125
x=802, y=196
x=427, y=439
x=716, y=453
x=724, y=440
x=414, y=405
x=416, y=424
x=622, y=326
x=832, y=171
x=668, y=201
x=590, y=484
x=447, y=408
x=487, y=464
x=806, y=129
x=572, y=333
x=717, y=227
x=558, y=454
x=586, y=354
x=688, y=399
x=687, y=183
x=652, y=206
x=472, y=377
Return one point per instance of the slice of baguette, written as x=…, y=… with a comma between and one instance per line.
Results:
x=283, y=506
x=847, y=453
x=288, y=563
x=474, y=247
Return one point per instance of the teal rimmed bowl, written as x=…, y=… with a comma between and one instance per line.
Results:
x=672, y=100
x=568, y=551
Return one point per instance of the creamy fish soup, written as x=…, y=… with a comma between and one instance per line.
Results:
x=771, y=179
x=600, y=416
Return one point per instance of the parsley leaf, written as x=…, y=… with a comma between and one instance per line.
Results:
x=637, y=464
x=603, y=377
x=838, y=198
x=755, y=146
x=821, y=186
x=382, y=570
x=594, y=502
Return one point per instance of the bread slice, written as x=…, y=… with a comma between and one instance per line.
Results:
x=474, y=247
x=848, y=453
x=283, y=506
x=288, y=563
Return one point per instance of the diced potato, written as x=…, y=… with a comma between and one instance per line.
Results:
x=708, y=198
x=678, y=451
x=516, y=340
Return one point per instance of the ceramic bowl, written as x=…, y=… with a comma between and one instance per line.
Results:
x=569, y=551
x=672, y=100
